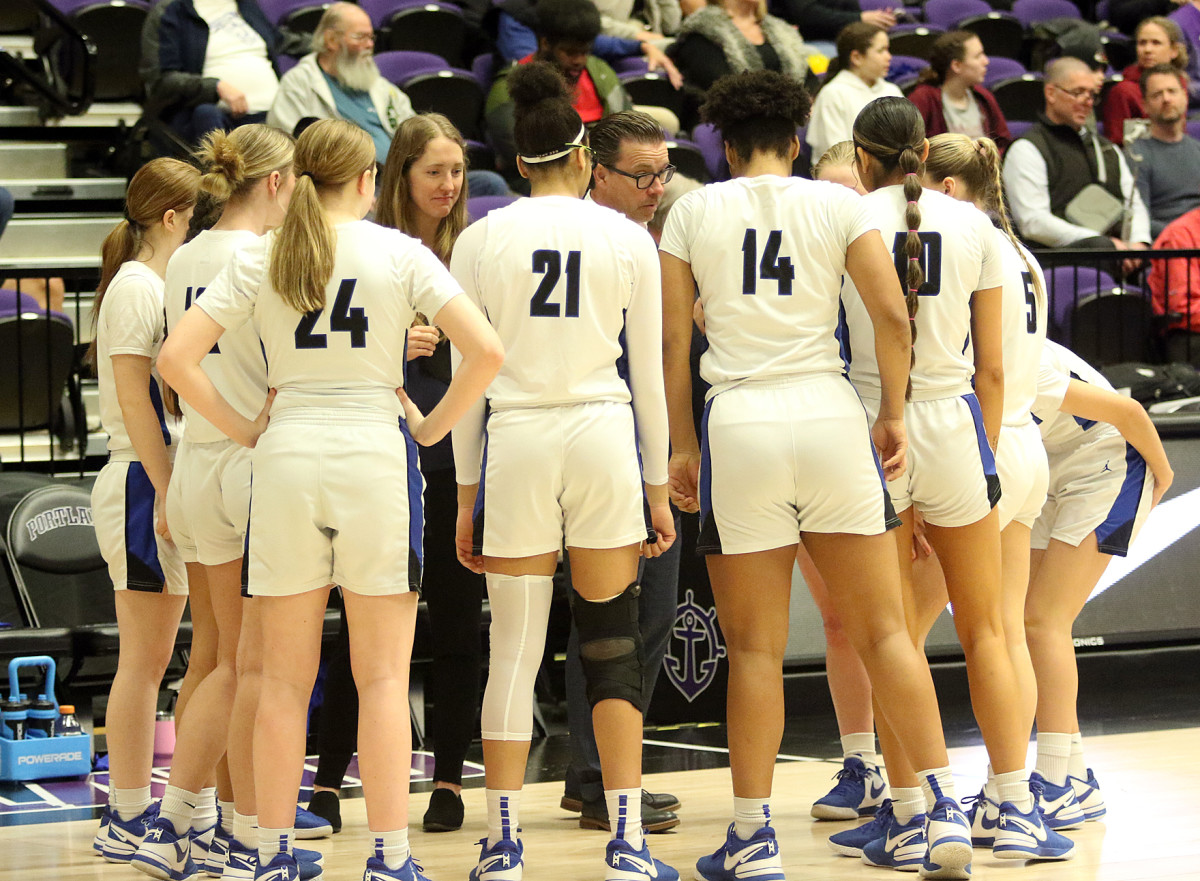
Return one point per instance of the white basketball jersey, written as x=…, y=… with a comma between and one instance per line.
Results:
x=351, y=353
x=1024, y=329
x=774, y=311
x=235, y=365
x=1059, y=365
x=130, y=323
x=959, y=256
x=573, y=289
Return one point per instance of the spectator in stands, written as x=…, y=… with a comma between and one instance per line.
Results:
x=655, y=20
x=854, y=79
x=1175, y=287
x=339, y=78
x=951, y=96
x=566, y=31
x=1048, y=168
x=209, y=64
x=1159, y=41
x=1167, y=161
x=825, y=19
x=732, y=36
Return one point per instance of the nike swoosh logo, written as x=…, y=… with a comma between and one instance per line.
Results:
x=745, y=853
x=988, y=822
x=490, y=863
x=875, y=793
x=635, y=864
x=903, y=838
x=1025, y=826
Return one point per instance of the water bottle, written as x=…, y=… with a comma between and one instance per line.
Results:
x=13, y=715
x=67, y=724
x=43, y=714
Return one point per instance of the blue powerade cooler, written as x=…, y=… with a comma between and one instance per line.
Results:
x=35, y=755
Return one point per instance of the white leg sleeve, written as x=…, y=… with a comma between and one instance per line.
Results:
x=520, y=613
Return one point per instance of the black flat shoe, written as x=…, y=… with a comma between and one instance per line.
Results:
x=445, y=813
x=327, y=806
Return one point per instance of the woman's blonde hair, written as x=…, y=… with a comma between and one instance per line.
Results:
x=161, y=185
x=841, y=153
x=975, y=164
x=234, y=162
x=396, y=207
x=760, y=10
x=330, y=154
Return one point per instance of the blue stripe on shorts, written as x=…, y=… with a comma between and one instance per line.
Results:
x=143, y=571
x=986, y=457
x=1115, y=533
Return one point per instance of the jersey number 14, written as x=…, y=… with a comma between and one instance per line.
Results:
x=771, y=267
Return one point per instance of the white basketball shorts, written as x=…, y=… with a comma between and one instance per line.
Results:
x=1024, y=474
x=783, y=457
x=208, y=502
x=123, y=512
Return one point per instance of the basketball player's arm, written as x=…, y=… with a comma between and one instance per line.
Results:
x=1128, y=417
x=131, y=376
x=179, y=364
x=986, y=306
x=678, y=294
x=871, y=269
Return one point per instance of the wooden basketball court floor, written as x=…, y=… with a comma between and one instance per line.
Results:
x=1150, y=781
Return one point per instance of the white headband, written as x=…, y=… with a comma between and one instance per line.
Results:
x=557, y=154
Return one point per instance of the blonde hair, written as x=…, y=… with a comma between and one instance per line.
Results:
x=234, y=162
x=975, y=164
x=760, y=9
x=331, y=153
x=841, y=153
x=396, y=207
x=161, y=185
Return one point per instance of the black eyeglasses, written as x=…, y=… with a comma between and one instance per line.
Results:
x=645, y=180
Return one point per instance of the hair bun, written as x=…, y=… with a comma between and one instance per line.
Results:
x=532, y=83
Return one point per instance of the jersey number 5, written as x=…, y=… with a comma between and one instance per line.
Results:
x=549, y=264
x=342, y=320
x=772, y=267
x=1031, y=302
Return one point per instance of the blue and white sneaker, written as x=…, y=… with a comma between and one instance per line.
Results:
x=303, y=855
x=902, y=845
x=118, y=839
x=1060, y=809
x=202, y=843
x=165, y=854
x=859, y=791
x=623, y=863
x=377, y=870
x=849, y=843
x=949, y=837
x=984, y=816
x=214, y=862
x=756, y=857
x=241, y=862
x=283, y=867
x=1025, y=837
x=1087, y=793
x=505, y=861
x=309, y=825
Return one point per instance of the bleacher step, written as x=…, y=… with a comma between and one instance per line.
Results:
x=10, y=117
x=27, y=161
x=66, y=189
x=64, y=240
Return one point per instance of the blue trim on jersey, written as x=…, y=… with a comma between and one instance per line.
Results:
x=709, y=540
x=246, y=541
x=841, y=333
x=1085, y=424
x=143, y=571
x=477, y=514
x=986, y=457
x=1115, y=533
x=416, y=510
x=159, y=411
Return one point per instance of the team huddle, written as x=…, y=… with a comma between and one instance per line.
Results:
x=878, y=374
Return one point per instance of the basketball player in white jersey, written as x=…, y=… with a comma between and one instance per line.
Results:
x=336, y=495
x=130, y=491
x=1100, y=445
x=247, y=180
x=787, y=449
x=573, y=290
x=947, y=256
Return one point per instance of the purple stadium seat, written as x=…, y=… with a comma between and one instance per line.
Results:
x=948, y=13
x=1001, y=68
x=277, y=10
x=483, y=68
x=632, y=64
x=918, y=40
x=1018, y=127
x=1029, y=12
x=479, y=207
x=1067, y=285
x=11, y=303
x=396, y=67
x=905, y=67
x=708, y=139
x=1002, y=35
x=286, y=63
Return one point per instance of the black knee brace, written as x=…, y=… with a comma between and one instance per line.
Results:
x=610, y=646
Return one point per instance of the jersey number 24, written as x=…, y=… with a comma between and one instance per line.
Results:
x=343, y=319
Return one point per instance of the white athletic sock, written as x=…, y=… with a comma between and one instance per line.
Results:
x=936, y=783
x=205, y=814
x=274, y=841
x=750, y=815
x=1013, y=787
x=907, y=802
x=502, y=808
x=1076, y=765
x=244, y=826
x=129, y=803
x=625, y=815
x=861, y=744
x=392, y=847
x=178, y=805
x=225, y=811
x=1053, y=756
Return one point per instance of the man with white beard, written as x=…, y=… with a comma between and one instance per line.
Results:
x=339, y=78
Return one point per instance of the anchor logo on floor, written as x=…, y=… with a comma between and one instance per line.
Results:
x=695, y=650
